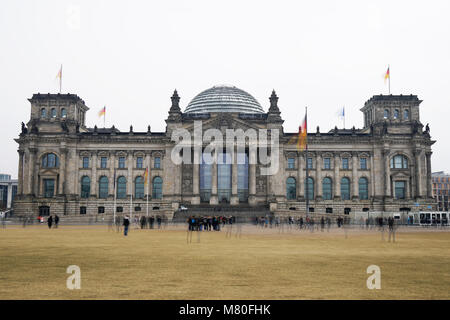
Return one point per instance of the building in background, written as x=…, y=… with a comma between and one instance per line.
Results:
x=8, y=191
x=69, y=169
x=441, y=189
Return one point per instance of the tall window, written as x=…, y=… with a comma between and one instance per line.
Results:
x=49, y=188
x=121, y=188
x=103, y=162
x=205, y=177
x=157, y=188
x=326, y=163
x=310, y=163
x=85, y=187
x=386, y=114
x=63, y=113
x=345, y=188
x=121, y=162
x=406, y=114
x=291, y=188
x=50, y=160
x=399, y=162
x=363, y=163
x=344, y=163
x=327, y=189
x=400, y=189
x=139, y=162
x=85, y=162
x=53, y=112
x=157, y=162
x=242, y=166
x=43, y=113
x=139, y=187
x=103, y=187
x=396, y=114
x=309, y=188
x=224, y=177
x=291, y=163
x=363, y=189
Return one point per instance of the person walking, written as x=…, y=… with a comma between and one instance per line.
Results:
x=391, y=224
x=50, y=221
x=56, y=221
x=126, y=224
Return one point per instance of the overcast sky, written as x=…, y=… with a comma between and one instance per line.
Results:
x=131, y=55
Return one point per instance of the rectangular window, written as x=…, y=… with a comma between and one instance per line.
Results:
x=363, y=163
x=344, y=163
x=326, y=163
x=101, y=210
x=85, y=162
x=49, y=188
x=328, y=210
x=139, y=162
x=82, y=210
x=310, y=163
x=119, y=209
x=157, y=163
x=103, y=162
x=121, y=162
x=400, y=189
x=291, y=163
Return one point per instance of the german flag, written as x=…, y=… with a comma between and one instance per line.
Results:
x=301, y=138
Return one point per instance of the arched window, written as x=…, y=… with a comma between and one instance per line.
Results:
x=363, y=189
x=50, y=160
x=345, y=188
x=63, y=113
x=291, y=188
x=406, y=114
x=386, y=113
x=396, y=114
x=327, y=189
x=85, y=187
x=53, y=113
x=399, y=162
x=103, y=187
x=309, y=188
x=157, y=188
x=43, y=113
x=139, y=187
x=121, y=188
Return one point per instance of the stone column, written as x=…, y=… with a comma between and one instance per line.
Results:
x=62, y=171
x=214, y=198
x=418, y=178
x=234, y=179
x=33, y=176
x=318, y=183
x=112, y=166
x=20, y=173
x=71, y=175
x=196, y=177
x=337, y=180
x=387, y=174
x=372, y=177
x=354, y=188
x=429, y=187
x=94, y=175
x=130, y=181
x=252, y=177
x=148, y=162
x=301, y=176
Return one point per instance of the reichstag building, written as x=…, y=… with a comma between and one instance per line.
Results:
x=66, y=168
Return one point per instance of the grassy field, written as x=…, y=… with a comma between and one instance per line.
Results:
x=160, y=264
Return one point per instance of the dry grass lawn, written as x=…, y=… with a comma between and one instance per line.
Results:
x=159, y=264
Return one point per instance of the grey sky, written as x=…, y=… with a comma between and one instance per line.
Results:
x=131, y=55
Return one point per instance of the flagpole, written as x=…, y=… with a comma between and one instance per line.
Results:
x=307, y=171
x=148, y=177
x=389, y=68
x=131, y=203
x=60, y=79
x=114, y=196
x=343, y=111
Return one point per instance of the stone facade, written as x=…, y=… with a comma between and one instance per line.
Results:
x=392, y=128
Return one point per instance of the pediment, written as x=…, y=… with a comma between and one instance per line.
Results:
x=225, y=121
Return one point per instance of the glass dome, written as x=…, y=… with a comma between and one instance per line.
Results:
x=224, y=99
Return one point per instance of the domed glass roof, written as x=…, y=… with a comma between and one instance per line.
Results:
x=224, y=99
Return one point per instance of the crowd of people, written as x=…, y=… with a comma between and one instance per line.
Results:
x=209, y=223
